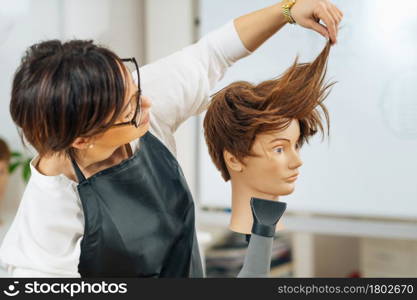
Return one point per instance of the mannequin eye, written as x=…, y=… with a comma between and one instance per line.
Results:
x=279, y=149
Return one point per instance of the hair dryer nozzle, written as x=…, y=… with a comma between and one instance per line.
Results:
x=266, y=214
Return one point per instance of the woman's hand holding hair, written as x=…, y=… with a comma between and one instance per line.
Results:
x=308, y=13
x=258, y=26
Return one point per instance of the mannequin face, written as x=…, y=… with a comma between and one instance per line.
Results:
x=277, y=158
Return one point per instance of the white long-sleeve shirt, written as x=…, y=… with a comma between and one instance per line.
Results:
x=44, y=238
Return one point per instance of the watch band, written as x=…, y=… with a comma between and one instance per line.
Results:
x=286, y=6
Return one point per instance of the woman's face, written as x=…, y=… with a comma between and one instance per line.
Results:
x=119, y=135
x=277, y=158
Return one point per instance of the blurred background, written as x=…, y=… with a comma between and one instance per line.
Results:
x=354, y=210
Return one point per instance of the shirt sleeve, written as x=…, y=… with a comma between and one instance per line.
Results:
x=179, y=85
x=45, y=235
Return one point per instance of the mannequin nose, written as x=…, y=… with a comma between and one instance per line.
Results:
x=296, y=162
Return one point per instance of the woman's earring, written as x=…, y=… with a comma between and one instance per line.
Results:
x=90, y=146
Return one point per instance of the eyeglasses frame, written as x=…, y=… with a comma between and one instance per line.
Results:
x=138, y=99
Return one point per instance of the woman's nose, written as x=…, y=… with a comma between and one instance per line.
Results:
x=146, y=102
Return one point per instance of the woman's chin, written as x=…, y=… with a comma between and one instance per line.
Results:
x=142, y=130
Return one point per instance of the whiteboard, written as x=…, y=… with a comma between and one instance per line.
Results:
x=368, y=165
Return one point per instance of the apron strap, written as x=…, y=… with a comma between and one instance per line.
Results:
x=80, y=175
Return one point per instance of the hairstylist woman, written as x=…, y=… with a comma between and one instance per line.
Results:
x=106, y=196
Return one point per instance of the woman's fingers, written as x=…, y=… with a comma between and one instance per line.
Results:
x=309, y=13
x=336, y=13
x=336, y=18
x=327, y=19
x=339, y=14
x=318, y=28
x=339, y=11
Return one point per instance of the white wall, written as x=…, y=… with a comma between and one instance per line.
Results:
x=116, y=24
x=21, y=24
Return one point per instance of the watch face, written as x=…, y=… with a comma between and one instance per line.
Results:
x=288, y=3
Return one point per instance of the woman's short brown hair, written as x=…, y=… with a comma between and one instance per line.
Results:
x=240, y=111
x=62, y=91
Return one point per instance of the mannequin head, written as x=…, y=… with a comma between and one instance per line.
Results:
x=4, y=167
x=254, y=132
x=273, y=158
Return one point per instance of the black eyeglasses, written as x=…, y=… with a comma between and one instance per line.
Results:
x=138, y=97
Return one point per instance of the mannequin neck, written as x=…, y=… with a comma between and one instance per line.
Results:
x=241, y=220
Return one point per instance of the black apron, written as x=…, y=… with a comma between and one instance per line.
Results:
x=139, y=218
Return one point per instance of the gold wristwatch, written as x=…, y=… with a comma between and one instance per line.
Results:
x=286, y=6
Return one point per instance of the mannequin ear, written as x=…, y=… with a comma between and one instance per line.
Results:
x=82, y=143
x=232, y=162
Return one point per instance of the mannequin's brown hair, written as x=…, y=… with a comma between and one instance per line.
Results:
x=240, y=111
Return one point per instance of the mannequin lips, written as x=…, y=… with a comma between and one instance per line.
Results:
x=292, y=178
x=295, y=175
